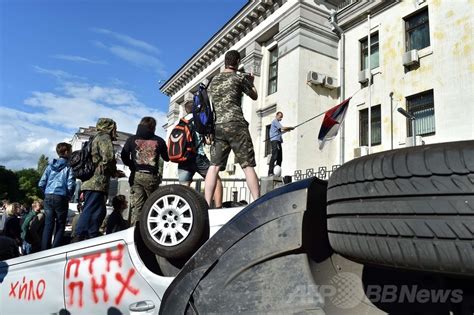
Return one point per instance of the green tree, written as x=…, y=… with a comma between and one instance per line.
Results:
x=28, y=184
x=42, y=163
x=9, y=188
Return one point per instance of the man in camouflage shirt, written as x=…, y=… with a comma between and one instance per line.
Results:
x=96, y=189
x=231, y=128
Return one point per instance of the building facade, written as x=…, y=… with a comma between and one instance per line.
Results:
x=309, y=55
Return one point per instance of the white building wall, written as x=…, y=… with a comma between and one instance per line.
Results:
x=306, y=43
x=446, y=66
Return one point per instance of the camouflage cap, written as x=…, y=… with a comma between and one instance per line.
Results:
x=105, y=124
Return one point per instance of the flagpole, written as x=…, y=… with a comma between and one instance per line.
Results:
x=314, y=117
x=369, y=109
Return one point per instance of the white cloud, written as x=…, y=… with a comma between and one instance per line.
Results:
x=55, y=117
x=128, y=40
x=58, y=74
x=138, y=58
x=78, y=59
x=134, y=51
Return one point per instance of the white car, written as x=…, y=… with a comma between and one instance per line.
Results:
x=93, y=276
x=381, y=236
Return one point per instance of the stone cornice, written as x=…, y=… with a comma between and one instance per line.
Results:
x=356, y=12
x=251, y=15
x=266, y=110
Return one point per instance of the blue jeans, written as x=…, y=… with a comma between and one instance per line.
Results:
x=186, y=171
x=55, y=208
x=26, y=248
x=92, y=215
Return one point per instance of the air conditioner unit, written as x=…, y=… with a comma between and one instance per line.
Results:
x=230, y=168
x=364, y=76
x=410, y=58
x=361, y=151
x=409, y=141
x=315, y=77
x=330, y=82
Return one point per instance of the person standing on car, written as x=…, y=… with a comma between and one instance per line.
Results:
x=199, y=163
x=58, y=184
x=276, y=130
x=231, y=129
x=141, y=153
x=96, y=188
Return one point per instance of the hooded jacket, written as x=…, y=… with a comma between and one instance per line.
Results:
x=58, y=179
x=103, y=157
x=142, y=151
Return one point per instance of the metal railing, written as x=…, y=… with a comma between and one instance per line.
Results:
x=322, y=173
x=235, y=189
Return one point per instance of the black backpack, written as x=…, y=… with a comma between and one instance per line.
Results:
x=203, y=112
x=81, y=161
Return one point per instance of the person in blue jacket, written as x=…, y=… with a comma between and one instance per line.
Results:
x=58, y=184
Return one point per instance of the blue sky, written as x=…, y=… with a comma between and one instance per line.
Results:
x=63, y=64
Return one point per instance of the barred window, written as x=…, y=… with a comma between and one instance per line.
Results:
x=417, y=29
x=422, y=107
x=376, y=126
x=273, y=71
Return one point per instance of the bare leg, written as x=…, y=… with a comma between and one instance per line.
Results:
x=252, y=181
x=210, y=183
x=218, y=193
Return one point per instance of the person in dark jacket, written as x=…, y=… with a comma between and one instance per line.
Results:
x=8, y=249
x=141, y=153
x=12, y=227
x=32, y=228
x=58, y=184
x=116, y=222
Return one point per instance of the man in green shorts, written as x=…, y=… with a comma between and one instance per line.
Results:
x=231, y=128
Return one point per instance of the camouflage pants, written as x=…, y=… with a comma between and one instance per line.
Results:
x=233, y=136
x=143, y=185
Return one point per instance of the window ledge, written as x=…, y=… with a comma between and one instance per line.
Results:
x=425, y=52
x=375, y=71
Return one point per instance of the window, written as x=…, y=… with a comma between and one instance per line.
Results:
x=417, y=29
x=376, y=126
x=374, y=52
x=268, y=145
x=422, y=107
x=273, y=71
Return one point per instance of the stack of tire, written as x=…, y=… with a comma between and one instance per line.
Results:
x=411, y=208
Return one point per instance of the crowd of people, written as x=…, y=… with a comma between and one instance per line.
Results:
x=43, y=226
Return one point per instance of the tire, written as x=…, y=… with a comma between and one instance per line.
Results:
x=411, y=208
x=174, y=222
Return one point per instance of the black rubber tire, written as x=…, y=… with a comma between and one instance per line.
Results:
x=199, y=231
x=411, y=208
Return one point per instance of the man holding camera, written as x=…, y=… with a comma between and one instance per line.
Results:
x=231, y=128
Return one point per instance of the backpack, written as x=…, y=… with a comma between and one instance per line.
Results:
x=203, y=112
x=35, y=229
x=81, y=163
x=181, y=146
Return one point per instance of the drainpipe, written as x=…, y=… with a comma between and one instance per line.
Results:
x=340, y=33
x=391, y=120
